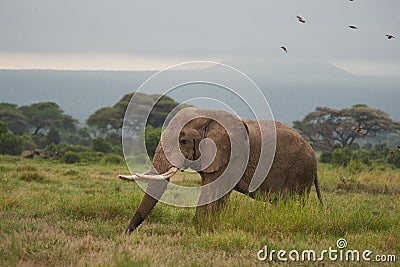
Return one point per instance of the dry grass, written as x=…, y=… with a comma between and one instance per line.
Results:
x=55, y=214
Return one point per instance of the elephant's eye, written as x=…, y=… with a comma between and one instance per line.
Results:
x=183, y=141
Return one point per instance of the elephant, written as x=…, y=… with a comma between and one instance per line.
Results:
x=197, y=138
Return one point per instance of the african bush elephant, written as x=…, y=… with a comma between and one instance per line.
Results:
x=207, y=146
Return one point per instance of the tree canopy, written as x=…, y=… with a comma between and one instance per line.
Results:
x=13, y=117
x=327, y=127
x=108, y=119
x=45, y=115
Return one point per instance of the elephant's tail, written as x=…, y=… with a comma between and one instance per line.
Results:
x=317, y=189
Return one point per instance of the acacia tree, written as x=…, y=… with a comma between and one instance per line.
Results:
x=104, y=119
x=13, y=118
x=45, y=115
x=327, y=127
x=110, y=119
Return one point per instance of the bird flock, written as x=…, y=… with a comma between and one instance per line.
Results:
x=353, y=27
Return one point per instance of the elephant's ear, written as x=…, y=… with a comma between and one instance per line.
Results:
x=223, y=142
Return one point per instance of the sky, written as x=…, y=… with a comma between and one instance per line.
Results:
x=152, y=35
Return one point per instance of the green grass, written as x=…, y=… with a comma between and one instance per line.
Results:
x=75, y=214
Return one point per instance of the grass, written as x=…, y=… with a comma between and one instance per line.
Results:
x=75, y=214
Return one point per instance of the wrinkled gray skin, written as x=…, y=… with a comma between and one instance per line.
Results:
x=293, y=170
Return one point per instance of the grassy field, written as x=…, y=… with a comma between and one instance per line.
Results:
x=59, y=214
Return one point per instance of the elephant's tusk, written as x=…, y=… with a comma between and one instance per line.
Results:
x=140, y=176
x=149, y=176
x=128, y=177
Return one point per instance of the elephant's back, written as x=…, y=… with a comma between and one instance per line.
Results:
x=294, y=163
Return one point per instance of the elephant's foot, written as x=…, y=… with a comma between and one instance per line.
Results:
x=129, y=230
x=135, y=222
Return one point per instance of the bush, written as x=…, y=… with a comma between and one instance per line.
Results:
x=395, y=159
x=341, y=156
x=9, y=143
x=99, y=144
x=28, y=142
x=91, y=157
x=71, y=157
x=118, y=150
x=152, y=138
x=113, y=159
x=362, y=158
x=326, y=157
x=52, y=148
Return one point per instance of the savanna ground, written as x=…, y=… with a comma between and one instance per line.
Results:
x=59, y=214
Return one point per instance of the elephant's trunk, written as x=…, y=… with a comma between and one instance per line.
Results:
x=154, y=191
x=155, y=188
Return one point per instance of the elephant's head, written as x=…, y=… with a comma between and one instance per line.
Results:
x=204, y=140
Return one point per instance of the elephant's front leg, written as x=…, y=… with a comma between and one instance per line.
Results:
x=210, y=200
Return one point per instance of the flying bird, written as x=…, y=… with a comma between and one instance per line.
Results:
x=359, y=129
x=284, y=48
x=353, y=27
x=300, y=19
x=389, y=36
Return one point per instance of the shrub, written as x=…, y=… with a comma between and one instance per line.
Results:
x=118, y=150
x=326, y=157
x=28, y=142
x=71, y=157
x=395, y=159
x=341, y=156
x=3, y=128
x=90, y=156
x=152, y=138
x=113, y=159
x=9, y=143
x=99, y=144
x=52, y=148
x=362, y=158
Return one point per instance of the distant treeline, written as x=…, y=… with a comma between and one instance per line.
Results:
x=45, y=127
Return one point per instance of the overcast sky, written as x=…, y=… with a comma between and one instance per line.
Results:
x=136, y=35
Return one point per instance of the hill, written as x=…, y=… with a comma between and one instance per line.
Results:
x=291, y=92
